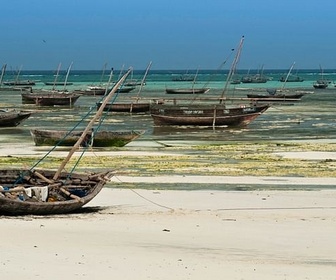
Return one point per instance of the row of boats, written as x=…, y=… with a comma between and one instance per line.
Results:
x=42, y=192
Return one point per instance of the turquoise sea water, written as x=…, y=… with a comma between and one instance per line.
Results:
x=312, y=118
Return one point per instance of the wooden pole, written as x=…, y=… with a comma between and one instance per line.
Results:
x=91, y=123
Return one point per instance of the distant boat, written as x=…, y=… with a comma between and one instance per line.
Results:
x=256, y=79
x=133, y=106
x=17, y=82
x=321, y=83
x=101, y=138
x=129, y=107
x=57, y=83
x=11, y=117
x=277, y=96
x=291, y=79
x=183, y=78
x=187, y=90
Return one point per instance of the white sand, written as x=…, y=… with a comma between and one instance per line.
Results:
x=146, y=234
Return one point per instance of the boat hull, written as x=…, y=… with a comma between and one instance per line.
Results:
x=100, y=138
x=50, y=99
x=187, y=90
x=134, y=107
x=85, y=187
x=201, y=115
x=12, y=118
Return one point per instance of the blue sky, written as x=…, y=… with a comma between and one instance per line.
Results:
x=174, y=34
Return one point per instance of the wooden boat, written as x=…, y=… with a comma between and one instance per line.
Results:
x=50, y=98
x=208, y=114
x=321, y=84
x=36, y=192
x=101, y=138
x=58, y=83
x=44, y=192
x=11, y=117
x=133, y=106
x=186, y=90
x=183, y=78
x=130, y=107
x=291, y=79
x=277, y=96
x=205, y=115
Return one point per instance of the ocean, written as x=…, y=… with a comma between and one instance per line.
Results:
x=312, y=118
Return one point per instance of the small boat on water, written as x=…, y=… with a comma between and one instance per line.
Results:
x=50, y=98
x=101, y=138
x=12, y=117
x=35, y=191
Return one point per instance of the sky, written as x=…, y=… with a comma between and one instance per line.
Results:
x=173, y=34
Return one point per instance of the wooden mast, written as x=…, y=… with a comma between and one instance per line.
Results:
x=91, y=123
x=232, y=69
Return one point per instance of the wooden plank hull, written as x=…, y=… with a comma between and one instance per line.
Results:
x=276, y=97
x=186, y=90
x=130, y=107
x=82, y=187
x=10, y=118
x=205, y=115
x=100, y=138
x=50, y=99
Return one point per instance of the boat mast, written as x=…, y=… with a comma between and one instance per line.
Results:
x=67, y=76
x=3, y=70
x=144, y=78
x=91, y=123
x=56, y=76
x=290, y=70
x=232, y=69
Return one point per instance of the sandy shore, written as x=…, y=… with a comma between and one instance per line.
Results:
x=146, y=234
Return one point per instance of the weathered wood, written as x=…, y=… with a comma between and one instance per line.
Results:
x=90, y=125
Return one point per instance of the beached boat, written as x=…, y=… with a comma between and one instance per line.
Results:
x=12, y=117
x=37, y=192
x=58, y=83
x=183, y=78
x=291, y=79
x=205, y=115
x=101, y=138
x=129, y=107
x=208, y=114
x=277, y=96
x=44, y=192
x=321, y=84
x=187, y=90
x=17, y=82
x=50, y=98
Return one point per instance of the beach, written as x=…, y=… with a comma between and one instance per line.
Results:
x=166, y=234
